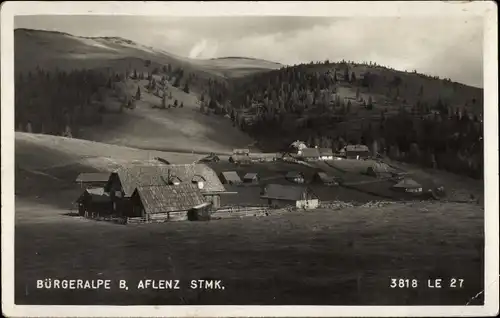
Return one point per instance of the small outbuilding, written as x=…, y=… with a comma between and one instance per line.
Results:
x=309, y=153
x=325, y=154
x=279, y=195
x=357, y=152
x=408, y=185
x=94, y=201
x=230, y=177
x=295, y=177
x=93, y=179
x=251, y=177
x=240, y=159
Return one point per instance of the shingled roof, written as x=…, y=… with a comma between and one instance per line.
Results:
x=132, y=177
x=168, y=198
x=310, y=152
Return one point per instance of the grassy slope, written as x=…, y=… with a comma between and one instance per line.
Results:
x=65, y=51
x=175, y=129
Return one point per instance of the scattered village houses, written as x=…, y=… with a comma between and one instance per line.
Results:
x=357, y=152
x=251, y=178
x=230, y=177
x=325, y=179
x=279, y=195
x=95, y=179
x=295, y=176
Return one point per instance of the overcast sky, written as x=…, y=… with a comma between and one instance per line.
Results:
x=447, y=47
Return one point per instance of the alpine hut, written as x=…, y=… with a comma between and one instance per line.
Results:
x=170, y=203
x=94, y=201
x=408, y=185
x=279, y=195
x=357, y=152
x=309, y=154
x=251, y=177
x=125, y=180
x=92, y=180
x=295, y=177
x=325, y=154
x=230, y=177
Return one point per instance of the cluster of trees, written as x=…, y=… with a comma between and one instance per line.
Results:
x=59, y=102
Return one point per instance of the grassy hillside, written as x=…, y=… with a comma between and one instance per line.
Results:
x=46, y=166
x=68, y=52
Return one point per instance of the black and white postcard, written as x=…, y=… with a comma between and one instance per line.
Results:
x=226, y=159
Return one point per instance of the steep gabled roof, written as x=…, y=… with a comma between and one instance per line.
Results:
x=310, y=152
x=168, y=198
x=132, y=177
x=231, y=176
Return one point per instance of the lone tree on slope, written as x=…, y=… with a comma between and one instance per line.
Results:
x=138, y=93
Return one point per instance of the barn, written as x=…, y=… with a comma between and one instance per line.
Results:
x=125, y=180
x=408, y=185
x=278, y=195
x=295, y=176
x=309, y=153
x=230, y=177
x=325, y=179
x=170, y=203
x=94, y=201
x=357, y=152
x=92, y=180
x=251, y=178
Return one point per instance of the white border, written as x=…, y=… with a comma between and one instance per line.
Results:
x=486, y=9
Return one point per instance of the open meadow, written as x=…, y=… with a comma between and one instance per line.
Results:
x=343, y=257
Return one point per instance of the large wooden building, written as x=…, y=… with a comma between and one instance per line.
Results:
x=169, y=203
x=124, y=181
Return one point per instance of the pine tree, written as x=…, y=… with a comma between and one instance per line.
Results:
x=176, y=103
x=182, y=105
x=138, y=93
x=186, y=88
x=135, y=74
